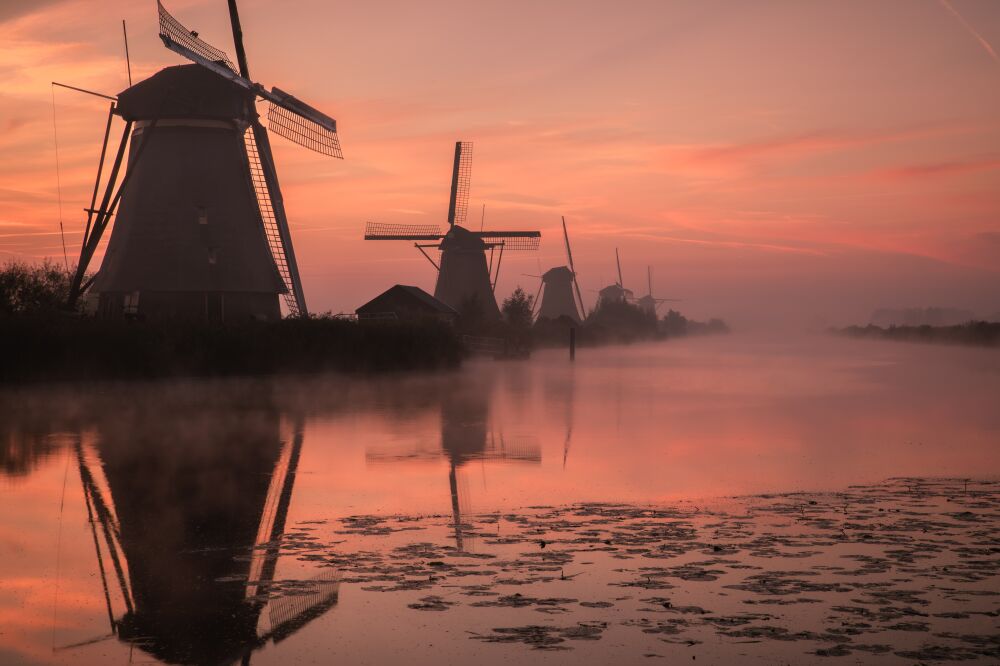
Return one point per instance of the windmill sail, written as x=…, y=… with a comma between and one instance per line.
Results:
x=511, y=240
x=300, y=123
x=389, y=231
x=461, y=179
x=272, y=214
x=572, y=268
x=186, y=42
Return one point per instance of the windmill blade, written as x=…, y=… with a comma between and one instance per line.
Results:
x=618, y=260
x=461, y=178
x=538, y=293
x=187, y=43
x=510, y=242
x=264, y=177
x=300, y=123
x=572, y=268
x=415, y=232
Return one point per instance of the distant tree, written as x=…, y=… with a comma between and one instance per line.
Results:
x=32, y=288
x=675, y=324
x=517, y=309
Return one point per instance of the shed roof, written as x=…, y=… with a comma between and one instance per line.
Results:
x=402, y=293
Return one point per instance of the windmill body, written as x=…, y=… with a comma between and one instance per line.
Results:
x=557, y=289
x=464, y=278
x=188, y=240
x=557, y=297
x=614, y=293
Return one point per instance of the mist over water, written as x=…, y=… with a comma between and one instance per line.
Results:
x=185, y=469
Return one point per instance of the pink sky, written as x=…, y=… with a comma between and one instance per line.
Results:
x=811, y=161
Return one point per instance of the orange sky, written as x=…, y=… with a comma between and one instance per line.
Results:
x=807, y=160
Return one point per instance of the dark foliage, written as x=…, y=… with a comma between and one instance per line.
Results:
x=27, y=289
x=516, y=309
x=619, y=321
x=39, y=348
x=981, y=333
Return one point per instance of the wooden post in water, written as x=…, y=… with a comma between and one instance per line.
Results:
x=572, y=344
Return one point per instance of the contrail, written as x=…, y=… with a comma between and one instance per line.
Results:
x=972, y=31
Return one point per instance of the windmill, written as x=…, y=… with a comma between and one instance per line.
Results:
x=202, y=230
x=463, y=274
x=648, y=302
x=557, y=289
x=616, y=293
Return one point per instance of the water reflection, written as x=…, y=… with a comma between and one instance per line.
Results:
x=467, y=435
x=185, y=487
x=186, y=516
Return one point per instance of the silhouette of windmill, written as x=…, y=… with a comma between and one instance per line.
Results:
x=557, y=289
x=616, y=293
x=648, y=302
x=202, y=230
x=463, y=274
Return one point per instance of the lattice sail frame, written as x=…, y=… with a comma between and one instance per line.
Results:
x=303, y=131
x=172, y=28
x=516, y=243
x=389, y=231
x=463, y=178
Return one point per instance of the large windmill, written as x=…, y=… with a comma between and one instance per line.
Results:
x=463, y=274
x=557, y=289
x=202, y=230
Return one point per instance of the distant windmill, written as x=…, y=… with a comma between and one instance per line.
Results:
x=616, y=292
x=648, y=302
x=202, y=230
x=557, y=289
x=463, y=274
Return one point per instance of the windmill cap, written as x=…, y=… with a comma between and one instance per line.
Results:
x=184, y=91
x=558, y=273
x=460, y=238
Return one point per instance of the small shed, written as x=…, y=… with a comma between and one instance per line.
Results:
x=406, y=302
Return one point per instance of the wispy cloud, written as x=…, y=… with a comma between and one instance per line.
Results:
x=936, y=169
x=971, y=30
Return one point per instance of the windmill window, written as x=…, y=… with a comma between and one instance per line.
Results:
x=213, y=256
x=130, y=304
x=202, y=215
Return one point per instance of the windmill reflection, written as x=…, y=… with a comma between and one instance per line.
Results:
x=466, y=436
x=187, y=515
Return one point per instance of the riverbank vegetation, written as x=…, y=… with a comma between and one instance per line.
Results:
x=42, y=341
x=979, y=333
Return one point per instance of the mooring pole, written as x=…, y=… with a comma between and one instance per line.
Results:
x=572, y=344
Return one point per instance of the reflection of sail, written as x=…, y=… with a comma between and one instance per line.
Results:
x=466, y=436
x=190, y=510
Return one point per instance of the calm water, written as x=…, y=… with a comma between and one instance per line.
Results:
x=172, y=521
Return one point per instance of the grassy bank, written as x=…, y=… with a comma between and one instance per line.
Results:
x=54, y=347
x=979, y=333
